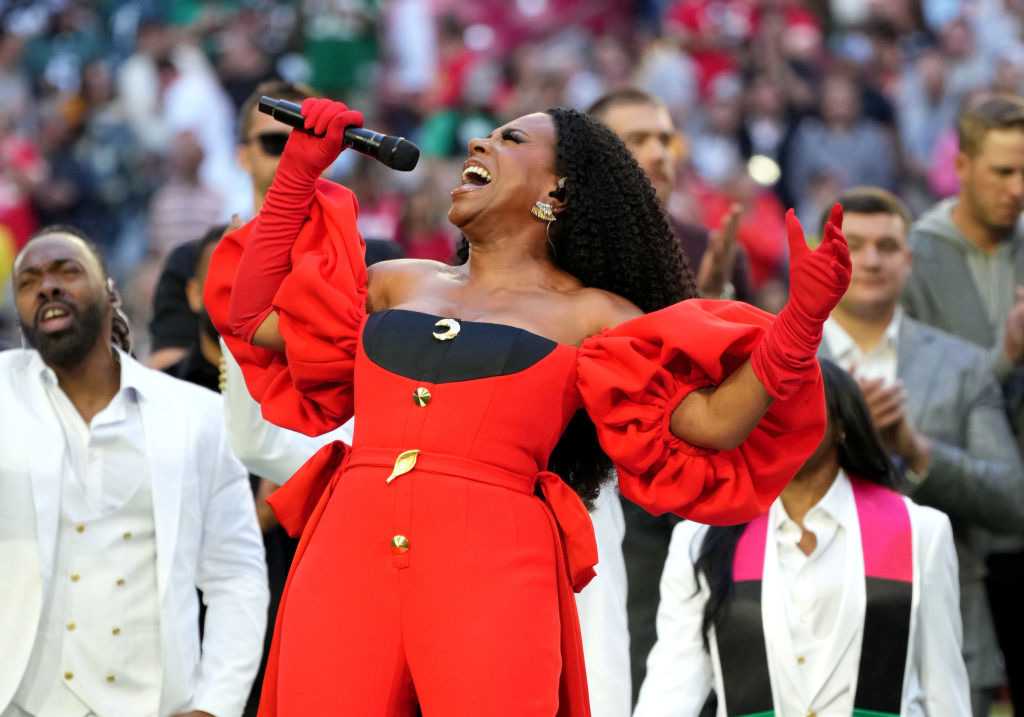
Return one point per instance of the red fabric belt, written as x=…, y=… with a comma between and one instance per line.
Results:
x=575, y=531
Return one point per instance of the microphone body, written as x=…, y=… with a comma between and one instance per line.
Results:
x=396, y=152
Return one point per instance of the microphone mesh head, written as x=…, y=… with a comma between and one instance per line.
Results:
x=399, y=153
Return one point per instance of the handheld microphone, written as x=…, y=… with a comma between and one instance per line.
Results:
x=396, y=152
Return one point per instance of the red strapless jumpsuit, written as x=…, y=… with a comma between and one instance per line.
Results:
x=438, y=556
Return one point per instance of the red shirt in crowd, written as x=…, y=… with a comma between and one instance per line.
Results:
x=19, y=158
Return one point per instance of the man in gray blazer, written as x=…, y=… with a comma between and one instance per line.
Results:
x=967, y=278
x=937, y=407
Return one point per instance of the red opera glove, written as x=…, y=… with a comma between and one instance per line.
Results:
x=787, y=354
x=266, y=260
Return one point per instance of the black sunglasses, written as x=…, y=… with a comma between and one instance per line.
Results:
x=272, y=143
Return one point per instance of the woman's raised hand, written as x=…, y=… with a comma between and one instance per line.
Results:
x=266, y=259
x=786, y=357
x=818, y=278
x=328, y=120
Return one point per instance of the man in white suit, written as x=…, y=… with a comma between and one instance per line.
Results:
x=119, y=496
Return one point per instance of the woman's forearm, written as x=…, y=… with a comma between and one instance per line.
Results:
x=266, y=260
x=267, y=335
x=722, y=417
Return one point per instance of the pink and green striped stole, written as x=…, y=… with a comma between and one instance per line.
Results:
x=887, y=545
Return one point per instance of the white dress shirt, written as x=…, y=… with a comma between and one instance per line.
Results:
x=813, y=616
x=879, y=362
x=812, y=585
x=105, y=459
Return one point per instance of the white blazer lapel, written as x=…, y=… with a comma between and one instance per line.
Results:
x=167, y=448
x=915, y=604
x=44, y=437
x=849, y=625
x=782, y=664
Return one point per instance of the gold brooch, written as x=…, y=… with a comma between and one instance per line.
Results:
x=404, y=463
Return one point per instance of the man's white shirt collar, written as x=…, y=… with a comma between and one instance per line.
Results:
x=844, y=348
x=131, y=371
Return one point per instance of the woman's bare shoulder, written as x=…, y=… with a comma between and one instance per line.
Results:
x=407, y=267
x=598, y=309
x=391, y=281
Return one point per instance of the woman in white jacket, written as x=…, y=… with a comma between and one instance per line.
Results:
x=841, y=600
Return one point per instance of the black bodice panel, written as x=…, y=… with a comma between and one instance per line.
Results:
x=403, y=342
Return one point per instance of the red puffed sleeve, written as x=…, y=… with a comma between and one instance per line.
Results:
x=633, y=377
x=320, y=307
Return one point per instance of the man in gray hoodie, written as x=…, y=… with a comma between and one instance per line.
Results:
x=967, y=279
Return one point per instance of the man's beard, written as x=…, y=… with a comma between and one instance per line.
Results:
x=67, y=348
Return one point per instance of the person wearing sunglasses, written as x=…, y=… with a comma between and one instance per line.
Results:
x=261, y=138
x=261, y=141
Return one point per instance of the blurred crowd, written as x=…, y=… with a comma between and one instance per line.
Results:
x=116, y=115
x=125, y=119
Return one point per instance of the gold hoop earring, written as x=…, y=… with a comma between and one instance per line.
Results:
x=543, y=211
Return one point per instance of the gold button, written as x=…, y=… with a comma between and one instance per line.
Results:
x=80, y=528
x=69, y=675
x=812, y=713
x=71, y=626
x=75, y=577
x=421, y=397
x=127, y=536
x=801, y=660
x=116, y=631
x=120, y=582
x=110, y=678
x=399, y=544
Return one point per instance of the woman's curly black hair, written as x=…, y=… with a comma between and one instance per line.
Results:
x=611, y=235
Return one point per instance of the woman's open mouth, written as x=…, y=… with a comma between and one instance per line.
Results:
x=474, y=177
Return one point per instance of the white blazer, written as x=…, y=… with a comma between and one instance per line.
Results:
x=206, y=535
x=267, y=450
x=681, y=673
x=604, y=622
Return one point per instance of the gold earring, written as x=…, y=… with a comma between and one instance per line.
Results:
x=542, y=211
